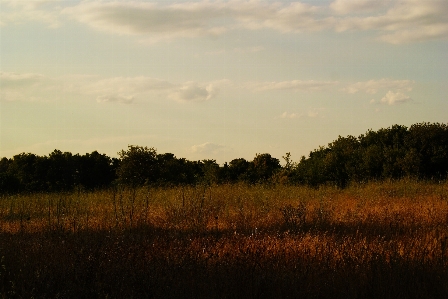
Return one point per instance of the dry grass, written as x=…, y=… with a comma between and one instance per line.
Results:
x=378, y=240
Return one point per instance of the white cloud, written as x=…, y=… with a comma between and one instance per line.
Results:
x=357, y=6
x=311, y=113
x=29, y=86
x=393, y=98
x=396, y=90
x=197, y=92
x=130, y=84
x=155, y=20
x=290, y=115
x=17, y=12
x=296, y=85
x=128, y=89
x=193, y=92
x=158, y=21
x=207, y=148
x=372, y=86
x=421, y=34
x=405, y=21
x=395, y=21
x=295, y=17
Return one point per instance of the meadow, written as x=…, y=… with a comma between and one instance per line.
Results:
x=374, y=240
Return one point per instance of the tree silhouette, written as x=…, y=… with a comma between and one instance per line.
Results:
x=138, y=166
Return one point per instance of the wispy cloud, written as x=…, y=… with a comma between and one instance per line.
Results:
x=17, y=12
x=403, y=22
x=296, y=85
x=395, y=21
x=158, y=21
x=207, y=148
x=115, y=98
x=357, y=6
x=126, y=90
x=311, y=113
x=21, y=80
x=155, y=20
x=372, y=86
x=290, y=115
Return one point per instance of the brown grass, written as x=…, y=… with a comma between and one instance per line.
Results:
x=378, y=240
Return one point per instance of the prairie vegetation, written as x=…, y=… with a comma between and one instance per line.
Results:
x=375, y=240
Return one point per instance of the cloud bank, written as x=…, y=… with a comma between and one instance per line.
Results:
x=127, y=90
x=393, y=21
x=396, y=22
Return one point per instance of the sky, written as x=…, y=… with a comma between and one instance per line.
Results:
x=216, y=79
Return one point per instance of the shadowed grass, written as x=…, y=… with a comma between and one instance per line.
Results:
x=377, y=240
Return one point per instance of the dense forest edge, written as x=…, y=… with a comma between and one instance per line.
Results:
x=420, y=152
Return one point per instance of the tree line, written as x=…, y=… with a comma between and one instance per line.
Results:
x=420, y=151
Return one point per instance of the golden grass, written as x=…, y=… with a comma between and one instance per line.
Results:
x=376, y=240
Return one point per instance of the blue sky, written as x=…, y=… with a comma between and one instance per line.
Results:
x=216, y=79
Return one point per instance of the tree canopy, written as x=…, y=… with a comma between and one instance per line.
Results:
x=420, y=151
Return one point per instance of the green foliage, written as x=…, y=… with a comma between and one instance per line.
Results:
x=263, y=167
x=238, y=170
x=138, y=166
x=393, y=153
x=419, y=152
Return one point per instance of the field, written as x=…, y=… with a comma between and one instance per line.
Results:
x=375, y=240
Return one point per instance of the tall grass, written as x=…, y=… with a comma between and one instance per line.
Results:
x=375, y=240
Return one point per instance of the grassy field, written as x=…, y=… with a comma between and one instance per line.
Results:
x=377, y=240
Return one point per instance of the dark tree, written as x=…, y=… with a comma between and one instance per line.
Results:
x=263, y=167
x=60, y=171
x=138, y=166
x=238, y=170
x=429, y=144
x=94, y=170
x=9, y=183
